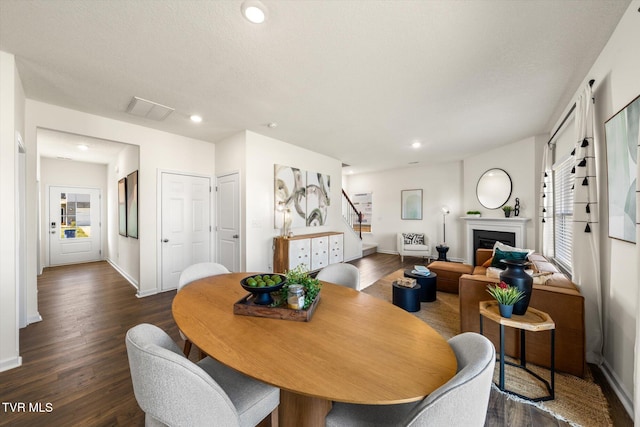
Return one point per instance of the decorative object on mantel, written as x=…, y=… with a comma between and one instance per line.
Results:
x=506, y=295
x=507, y=210
x=516, y=208
x=515, y=276
x=475, y=214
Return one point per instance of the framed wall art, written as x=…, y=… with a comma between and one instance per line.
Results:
x=132, y=205
x=411, y=203
x=122, y=207
x=622, y=137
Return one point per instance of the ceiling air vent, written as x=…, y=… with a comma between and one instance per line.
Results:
x=149, y=109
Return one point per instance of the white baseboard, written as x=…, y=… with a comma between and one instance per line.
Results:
x=34, y=319
x=618, y=388
x=130, y=279
x=12, y=362
x=142, y=294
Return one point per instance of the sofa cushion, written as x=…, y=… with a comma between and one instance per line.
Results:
x=499, y=255
x=416, y=247
x=507, y=248
x=413, y=239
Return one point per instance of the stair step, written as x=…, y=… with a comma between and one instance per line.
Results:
x=369, y=248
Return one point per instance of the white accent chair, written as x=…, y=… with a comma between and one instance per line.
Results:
x=192, y=273
x=413, y=249
x=341, y=274
x=174, y=391
x=462, y=401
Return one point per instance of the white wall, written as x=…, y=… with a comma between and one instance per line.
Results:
x=518, y=160
x=441, y=185
x=230, y=158
x=122, y=252
x=616, y=74
x=262, y=153
x=158, y=150
x=72, y=174
x=11, y=121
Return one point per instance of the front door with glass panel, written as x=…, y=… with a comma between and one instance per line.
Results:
x=74, y=225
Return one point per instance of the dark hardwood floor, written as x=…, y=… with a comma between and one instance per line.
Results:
x=75, y=368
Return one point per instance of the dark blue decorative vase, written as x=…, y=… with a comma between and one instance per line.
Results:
x=515, y=276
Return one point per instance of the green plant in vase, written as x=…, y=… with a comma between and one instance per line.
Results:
x=300, y=276
x=507, y=210
x=505, y=294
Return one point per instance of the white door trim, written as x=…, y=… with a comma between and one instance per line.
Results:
x=159, y=222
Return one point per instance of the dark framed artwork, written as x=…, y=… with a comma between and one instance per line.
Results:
x=132, y=205
x=122, y=207
x=411, y=203
x=621, y=132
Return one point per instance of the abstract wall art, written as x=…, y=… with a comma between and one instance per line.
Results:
x=318, y=193
x=122, y=207
x=301, y=197
x=622, y=136
x=132, y=204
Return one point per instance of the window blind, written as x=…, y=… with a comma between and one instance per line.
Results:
x=563, y=211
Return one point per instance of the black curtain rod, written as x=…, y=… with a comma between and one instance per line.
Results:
x=573, y=107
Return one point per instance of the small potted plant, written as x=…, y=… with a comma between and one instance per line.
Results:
x=475, y=214
x=506, y=296
x=300, y=276
x=507, y=210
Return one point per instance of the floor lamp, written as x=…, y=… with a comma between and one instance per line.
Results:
x=443, y=248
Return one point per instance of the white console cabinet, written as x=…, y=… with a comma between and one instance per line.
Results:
x=316, y=251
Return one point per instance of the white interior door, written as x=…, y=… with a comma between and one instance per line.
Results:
x=186, y=224
x=74, y=225
x=228, y=202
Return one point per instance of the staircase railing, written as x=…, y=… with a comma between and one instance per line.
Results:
x=351, y=214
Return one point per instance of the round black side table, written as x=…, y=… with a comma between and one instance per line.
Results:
x=442, y=252
x=427, y=284
x=407, y=298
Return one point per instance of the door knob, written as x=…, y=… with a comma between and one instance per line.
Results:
x=235, y=236
x=165, y=240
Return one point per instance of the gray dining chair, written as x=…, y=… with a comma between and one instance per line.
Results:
x=462, y=401
x=341, y=274
x=174, y=391
x=190, y=274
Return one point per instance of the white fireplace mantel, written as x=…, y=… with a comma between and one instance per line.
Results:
x=516, y=225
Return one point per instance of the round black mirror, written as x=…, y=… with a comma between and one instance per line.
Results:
x=494, y=188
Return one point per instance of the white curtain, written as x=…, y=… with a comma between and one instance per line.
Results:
x=546, y=203
x=586, y=229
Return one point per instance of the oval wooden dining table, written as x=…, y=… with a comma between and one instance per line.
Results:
x=356, y=348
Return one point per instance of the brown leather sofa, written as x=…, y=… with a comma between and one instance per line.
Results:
x=558, y=296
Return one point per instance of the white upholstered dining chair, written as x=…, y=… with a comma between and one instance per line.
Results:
x=192, y=273
x=462, y=401
x=341, y=274
x=174, y=391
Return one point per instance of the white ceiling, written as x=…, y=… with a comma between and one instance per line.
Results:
x=356, y=80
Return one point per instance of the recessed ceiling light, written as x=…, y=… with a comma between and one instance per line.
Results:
x=83, y=147
x=254, y=11
x=196, y=118
x=416, y=144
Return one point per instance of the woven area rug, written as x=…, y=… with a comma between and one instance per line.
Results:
x=578, y=401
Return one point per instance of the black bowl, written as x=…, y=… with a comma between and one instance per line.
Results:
x=263, y=294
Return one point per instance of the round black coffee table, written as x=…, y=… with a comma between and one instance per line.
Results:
x=427, y=284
